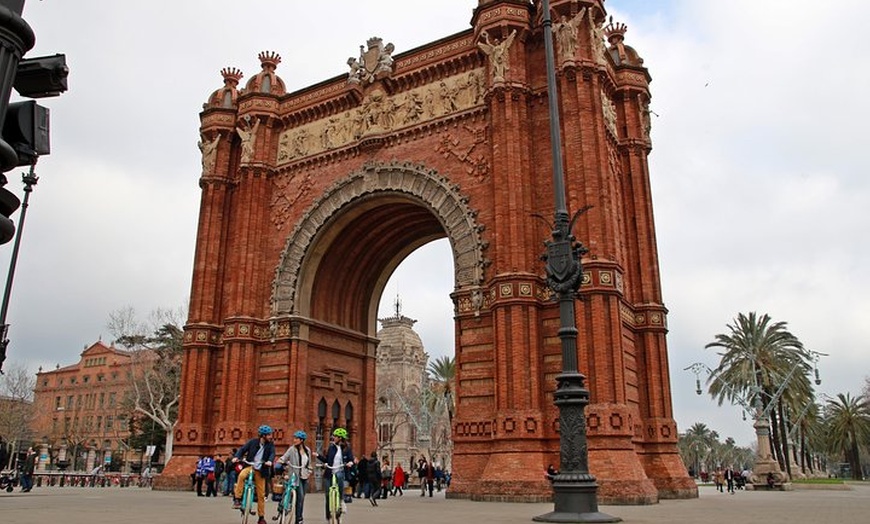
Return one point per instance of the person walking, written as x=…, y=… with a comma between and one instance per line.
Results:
x=373, y=474
x=339, y=454
x=27, y=470
x=386, y=477
x=398, y=480
x=299, y=459
x=258, y=453
x=230, y=469
x=729, y=479
x=362, y=477
x=208, y=470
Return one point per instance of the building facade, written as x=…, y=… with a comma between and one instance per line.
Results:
x=409, y=424
x=311, y=198
x=79, y=415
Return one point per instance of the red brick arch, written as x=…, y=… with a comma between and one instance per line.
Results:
x=310, y=199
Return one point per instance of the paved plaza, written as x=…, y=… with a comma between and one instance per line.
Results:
x=140, y=506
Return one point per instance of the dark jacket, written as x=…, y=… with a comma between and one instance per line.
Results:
x=347, y=454
x=249, y=452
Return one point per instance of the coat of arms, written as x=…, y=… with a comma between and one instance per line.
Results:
x=374, y=63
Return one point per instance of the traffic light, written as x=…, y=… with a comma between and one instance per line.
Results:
x=8, y=204
x=26, y=129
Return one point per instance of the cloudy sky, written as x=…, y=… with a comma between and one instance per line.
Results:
x=757, y=166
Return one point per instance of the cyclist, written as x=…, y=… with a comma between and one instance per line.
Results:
x=339, y=454
x=299, y=458
x=259, y=452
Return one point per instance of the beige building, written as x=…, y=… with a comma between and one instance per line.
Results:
x=409, y=425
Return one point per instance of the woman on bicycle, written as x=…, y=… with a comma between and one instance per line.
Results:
x=299, y=458
x=258, y=453
x=338, y=455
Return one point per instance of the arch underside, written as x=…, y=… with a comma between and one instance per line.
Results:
x=341, y=253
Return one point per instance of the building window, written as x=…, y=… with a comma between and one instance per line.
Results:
x=57, y=403
x=112, y=399
x=109, y=422
x=69, y=402
x=72, y=380
x=86, y=379
x=99, y=421
x=102, y=399
x=100, y=378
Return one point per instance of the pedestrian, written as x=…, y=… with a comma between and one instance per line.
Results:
x=27, y=470
x=373, y=475
x=362, y=477
x=719, y=480
x=386, y=478
x=729, y=479
x=398, y=480
x=208, y=470
x=430, y=476
x=219, y=474
x=199, y=476
x=421, y=474
x=299, y=460
x=231, y=472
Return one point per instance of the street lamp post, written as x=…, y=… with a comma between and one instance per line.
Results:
x=574, y=488
x=766, y=467
x=30, y=179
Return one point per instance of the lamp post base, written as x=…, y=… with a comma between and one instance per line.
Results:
x=575, y=500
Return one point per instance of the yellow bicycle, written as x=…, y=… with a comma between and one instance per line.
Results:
x=335, y=504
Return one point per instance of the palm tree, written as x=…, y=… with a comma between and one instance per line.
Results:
x=760, y=357
x=696, y=446
x=848, y=422
x=442, y=373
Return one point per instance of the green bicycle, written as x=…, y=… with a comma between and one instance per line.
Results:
x=287, y=506
x=336, y=506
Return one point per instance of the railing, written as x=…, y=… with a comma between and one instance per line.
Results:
x=82, y=480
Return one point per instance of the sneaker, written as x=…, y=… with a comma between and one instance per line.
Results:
x=237, y=504
x=261, y=520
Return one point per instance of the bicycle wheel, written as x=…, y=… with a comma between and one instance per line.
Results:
x=247, y=501
x=290, y=508
x=334, y=506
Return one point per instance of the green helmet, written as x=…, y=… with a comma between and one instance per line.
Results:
x=340, y=433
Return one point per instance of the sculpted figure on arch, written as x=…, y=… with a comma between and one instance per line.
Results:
x=498, y=54
x=566, y=35
x=209, y=153
x=248, y=136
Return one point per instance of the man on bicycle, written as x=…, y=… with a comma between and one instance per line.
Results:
x=299, y=459
x=338, y=457
x=259, y=452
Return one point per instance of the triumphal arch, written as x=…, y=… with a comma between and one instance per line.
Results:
x=311, y=198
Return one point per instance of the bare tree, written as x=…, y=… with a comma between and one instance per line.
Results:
x=16, y=404
x=155, y=380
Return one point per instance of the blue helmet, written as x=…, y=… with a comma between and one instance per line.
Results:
x=301, y=435
x=265, y=430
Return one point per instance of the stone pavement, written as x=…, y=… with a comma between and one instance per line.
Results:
x=140, y=506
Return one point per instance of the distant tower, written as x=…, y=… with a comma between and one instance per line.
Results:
x=401, y=420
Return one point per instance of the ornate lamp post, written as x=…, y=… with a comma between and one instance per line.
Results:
x=574, y=488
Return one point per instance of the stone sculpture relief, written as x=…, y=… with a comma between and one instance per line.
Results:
x=209, y=153
x=499, y=59
x=565, y=31
x=380, y=113
x=372, y=64
x=249, y=137
x=609, y=110
x=599, y=51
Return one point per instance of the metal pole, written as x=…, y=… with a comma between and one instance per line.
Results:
x=574, y=488
x=30, y=179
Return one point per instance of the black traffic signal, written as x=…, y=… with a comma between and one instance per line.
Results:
x=26, y=129
x=8, y=204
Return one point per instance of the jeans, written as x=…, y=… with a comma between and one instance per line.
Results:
x=327, y=482
x=300, y=499
x=230, y=481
